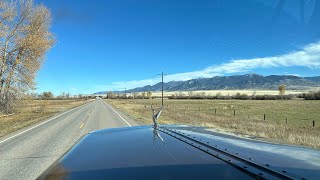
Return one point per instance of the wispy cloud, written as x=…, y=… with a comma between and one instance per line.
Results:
x=308, y=56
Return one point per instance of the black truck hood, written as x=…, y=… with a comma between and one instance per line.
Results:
x=181, y=152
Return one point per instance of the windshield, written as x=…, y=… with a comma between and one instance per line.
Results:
x=249, y=68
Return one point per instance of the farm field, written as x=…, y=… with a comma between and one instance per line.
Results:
x=284, y=121
x=33, y=111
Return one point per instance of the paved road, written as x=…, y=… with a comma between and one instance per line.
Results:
x=27, y=153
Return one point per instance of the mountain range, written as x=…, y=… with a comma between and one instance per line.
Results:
x=247, y=81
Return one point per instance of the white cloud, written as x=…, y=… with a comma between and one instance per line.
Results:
x=309, y=56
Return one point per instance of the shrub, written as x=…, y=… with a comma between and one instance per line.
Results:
x=8, y=104
x=312, y=95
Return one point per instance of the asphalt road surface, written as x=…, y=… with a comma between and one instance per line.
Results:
x=27, y=153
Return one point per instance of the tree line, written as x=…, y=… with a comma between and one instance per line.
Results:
x=48, y=95
x=133, y=95
x=239, y=96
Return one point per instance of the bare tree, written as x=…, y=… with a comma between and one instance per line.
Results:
x=67, y=95
x=135, y=95
x=254, y=93
x=63, y=95
x=110, y=95
x=179, y=94
x=149, y=94
x=24, y=40
x=282, y=89
x=47, y=95
x=143, y=94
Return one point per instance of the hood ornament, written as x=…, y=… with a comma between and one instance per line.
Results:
x=155, y=117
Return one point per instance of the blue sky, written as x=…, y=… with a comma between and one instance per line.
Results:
x=116, y=44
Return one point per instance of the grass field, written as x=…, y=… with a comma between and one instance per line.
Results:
x=31, y=112
x=286, y=121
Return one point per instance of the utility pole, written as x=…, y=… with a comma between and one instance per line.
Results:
x=162, y=86
x=162, y=89
x=125, y=94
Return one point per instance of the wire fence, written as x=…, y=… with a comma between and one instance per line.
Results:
x=211, y=112
x=198, y=112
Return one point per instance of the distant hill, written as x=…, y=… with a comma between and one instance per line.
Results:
x=247, y=81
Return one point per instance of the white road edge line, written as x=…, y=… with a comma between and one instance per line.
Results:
x=42, y=123
x=117, y=113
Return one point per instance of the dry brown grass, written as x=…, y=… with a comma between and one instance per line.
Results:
x=299, y=113
x=31, y=112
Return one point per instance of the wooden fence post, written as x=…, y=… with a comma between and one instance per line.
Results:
x=234, y=113
x=313, y=123
x=215, y=111
x=264, y=117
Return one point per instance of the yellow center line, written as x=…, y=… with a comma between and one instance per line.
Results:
x=81, y=125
